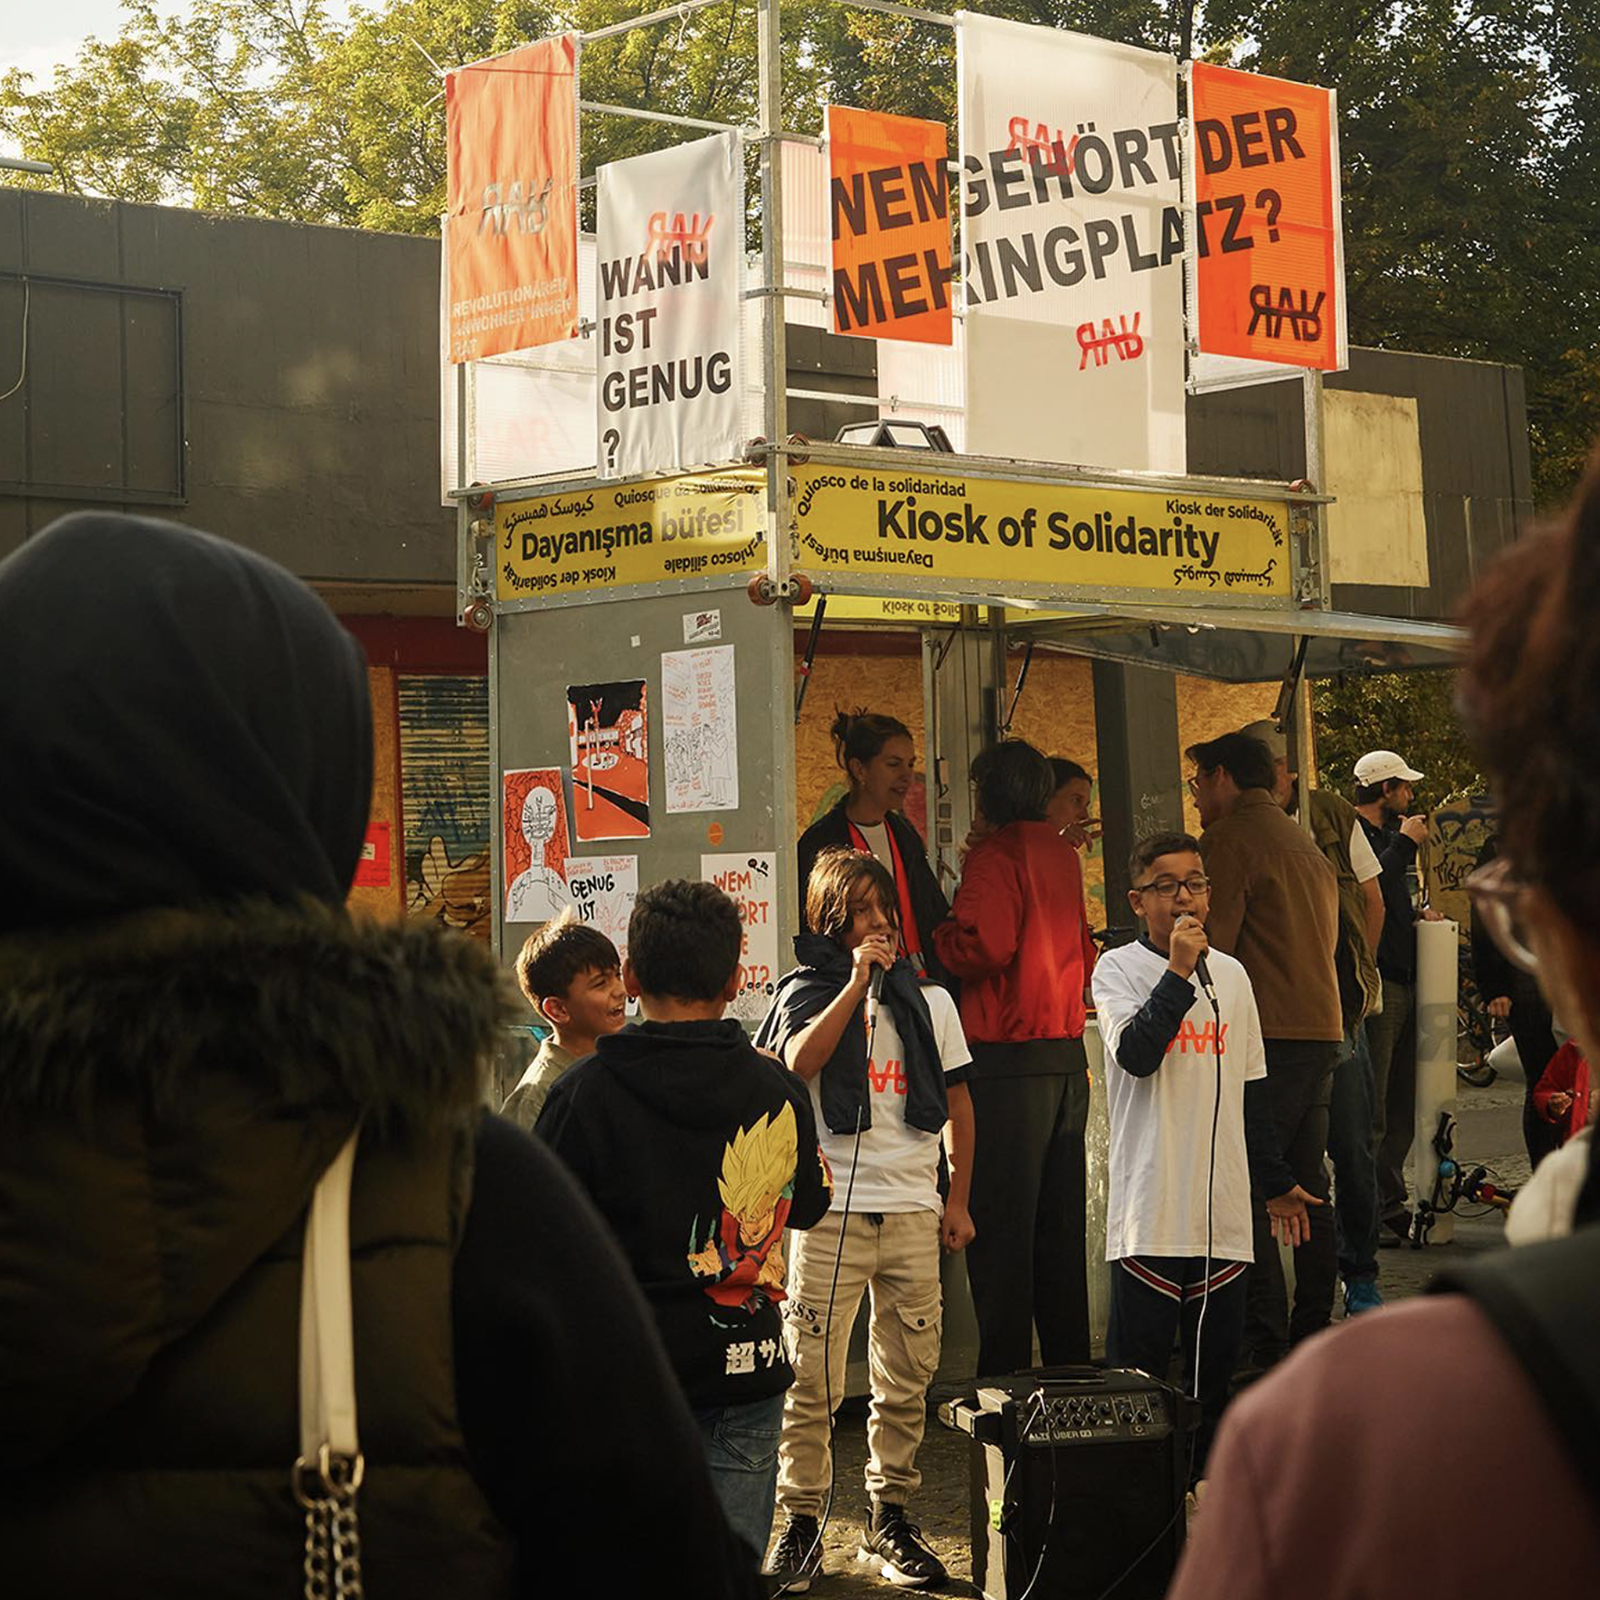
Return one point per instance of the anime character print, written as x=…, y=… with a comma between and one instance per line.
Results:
x=743, y=1254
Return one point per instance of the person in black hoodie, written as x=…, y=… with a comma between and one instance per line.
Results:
x=700, y=1151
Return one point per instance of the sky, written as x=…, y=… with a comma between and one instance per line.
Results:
x=39, y=35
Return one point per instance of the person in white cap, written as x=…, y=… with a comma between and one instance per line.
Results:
x=1385, y=793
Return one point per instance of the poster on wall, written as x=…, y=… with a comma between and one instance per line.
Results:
x=699, y=730
x=602, y=890
x=1269, y=240
x=889, y=215
x=670, y=310
x=1072, y=233
x=372, y=865
x=749, y=879
x=533, y=819
x=609, y=733
x=511, y=232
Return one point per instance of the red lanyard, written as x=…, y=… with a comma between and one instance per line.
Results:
x=910, y=935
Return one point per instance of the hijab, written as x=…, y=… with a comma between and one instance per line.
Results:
x=181, y=722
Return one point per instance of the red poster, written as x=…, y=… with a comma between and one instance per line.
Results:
x=512, y=233
x=373, y=869
x=1270, y=269
x=608, y=727
x=533, y=819
x=888, y=199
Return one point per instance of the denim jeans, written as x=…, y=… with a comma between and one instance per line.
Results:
x=742, y=1450
x=1355, y=1168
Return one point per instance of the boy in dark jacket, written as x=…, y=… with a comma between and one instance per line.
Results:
x=699, y=1151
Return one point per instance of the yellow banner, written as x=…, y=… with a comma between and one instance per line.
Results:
x=990, y=532
x=604, y=538
x=881, y=608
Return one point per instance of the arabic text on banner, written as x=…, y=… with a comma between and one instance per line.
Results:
x=689, y=527
x=993, y=533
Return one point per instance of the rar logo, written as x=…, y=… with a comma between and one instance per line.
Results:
x=513, y=206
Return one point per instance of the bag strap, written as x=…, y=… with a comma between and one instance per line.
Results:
x=327, y=1335
x=1540, y=1298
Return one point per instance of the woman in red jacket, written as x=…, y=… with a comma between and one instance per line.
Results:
x=1018, y=937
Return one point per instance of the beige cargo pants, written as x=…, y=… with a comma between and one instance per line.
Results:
x=893, y=1256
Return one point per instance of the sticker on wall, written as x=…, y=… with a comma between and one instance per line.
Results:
x=699, y=730
x=609, y=731
x=533, y=817
x=602, y=890
x=372, y=865
x=702, y=627
x=750, y=880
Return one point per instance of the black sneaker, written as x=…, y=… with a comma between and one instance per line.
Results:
x=893, y=1544
x=796, y=1558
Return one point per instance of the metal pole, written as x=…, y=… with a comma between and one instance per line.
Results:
x=22, y=164
x=775, y=420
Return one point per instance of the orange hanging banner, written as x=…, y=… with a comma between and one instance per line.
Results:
x=889, y=204
x=511, y=239
x=1269, y=268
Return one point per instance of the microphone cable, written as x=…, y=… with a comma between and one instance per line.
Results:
x=1205, y=1292
x=816, y=1546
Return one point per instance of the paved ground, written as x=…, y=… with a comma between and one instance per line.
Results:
x=1489, y=1131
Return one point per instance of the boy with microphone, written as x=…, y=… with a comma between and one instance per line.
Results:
x=1189, y=1133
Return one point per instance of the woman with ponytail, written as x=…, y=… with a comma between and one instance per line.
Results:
x=878, y=758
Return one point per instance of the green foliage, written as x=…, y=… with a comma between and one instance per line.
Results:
x=1412, y=713
x=1470, y=132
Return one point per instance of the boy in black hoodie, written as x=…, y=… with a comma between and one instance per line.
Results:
x=699, y=1151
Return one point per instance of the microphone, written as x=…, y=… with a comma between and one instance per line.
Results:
x=1202, y=971
x=874, y=992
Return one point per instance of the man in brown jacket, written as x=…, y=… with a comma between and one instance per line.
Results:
x=1275, y=907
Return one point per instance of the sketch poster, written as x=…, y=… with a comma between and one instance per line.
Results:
x=533, y=820
x=750, y=881
x=699, y=733
x=602, y=890
x=608, y=726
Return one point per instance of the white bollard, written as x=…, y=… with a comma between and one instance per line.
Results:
x=1437, y=946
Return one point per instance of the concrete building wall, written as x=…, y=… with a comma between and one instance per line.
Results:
x=281, y=387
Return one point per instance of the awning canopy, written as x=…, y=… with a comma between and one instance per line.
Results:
x=1242, y=646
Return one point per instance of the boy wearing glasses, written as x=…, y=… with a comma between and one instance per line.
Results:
x=1178, y=1219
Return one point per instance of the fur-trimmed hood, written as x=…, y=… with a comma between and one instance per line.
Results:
x=172, y=1085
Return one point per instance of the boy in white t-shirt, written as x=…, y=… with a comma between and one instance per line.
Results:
x=1187, y=1135
x=884, y=1090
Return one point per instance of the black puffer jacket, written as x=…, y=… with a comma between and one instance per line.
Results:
x=190, y=1026
x=171, y=1087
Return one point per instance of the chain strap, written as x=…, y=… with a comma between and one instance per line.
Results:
x=327, y=1490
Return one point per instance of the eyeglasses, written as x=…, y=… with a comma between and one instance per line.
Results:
x=1167, y=888
x=1497, y=896
x=1194, y=786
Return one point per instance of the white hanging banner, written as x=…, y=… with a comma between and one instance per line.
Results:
x=669, y=309
x=1072, y=227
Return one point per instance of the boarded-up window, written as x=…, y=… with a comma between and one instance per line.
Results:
x=98, y=409
x=444, y=784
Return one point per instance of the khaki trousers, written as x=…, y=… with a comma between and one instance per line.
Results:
x=894, y=1257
